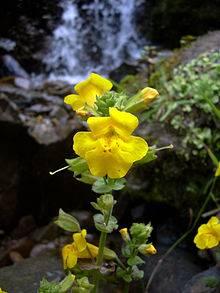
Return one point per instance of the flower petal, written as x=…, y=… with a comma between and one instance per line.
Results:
x=204, y=229
x=75, y=101
x=124, y=123
x=102, y=83
x=95, y=85
x=91, y=251
x=69, y=256
x=211, y=241
x=106, y=163
x=80, y=241
x=83, y=142
x=99, y=125
x=200, y=242
x=213, y=221
x=132, y=149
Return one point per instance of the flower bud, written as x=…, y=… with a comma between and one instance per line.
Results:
x=140, y=101
x=147, y=249
x=148, y=95
x=124, y=234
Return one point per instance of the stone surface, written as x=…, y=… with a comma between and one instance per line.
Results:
x=25, y=276
x=36, y=136
x=179, y=267
x=204, y=282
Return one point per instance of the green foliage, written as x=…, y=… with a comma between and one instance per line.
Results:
x=189, y=103
x=211, y=281
x=105, y=185
x=105, y=222
x=139, y=233
x=55, y=287
x=109, y=99
x=101, y=225
x=84, y=286
x=67, y=222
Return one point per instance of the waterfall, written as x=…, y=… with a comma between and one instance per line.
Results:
x=97, y=36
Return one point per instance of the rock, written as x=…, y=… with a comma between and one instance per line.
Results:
x=25, y=276
x=36, y=136
x=179, y=267
x=11, y=67
x=205, y=43
x=204, y=282
x=163, y=26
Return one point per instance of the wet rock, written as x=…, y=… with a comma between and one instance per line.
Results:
x=204, y=282
x=36, y=137
x=11, y=67
x=162, y=24
x=25, y=276
x=179, y=267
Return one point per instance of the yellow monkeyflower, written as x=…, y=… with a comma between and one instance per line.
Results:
x=80, y=248
x=87, y=91
x=208, y=235
x=217, y=172
x=151, y=249
x=124, y=234
x=109, y=148
x=147, y=249
x=1, y=291
x=148, y=95
x=141, y=100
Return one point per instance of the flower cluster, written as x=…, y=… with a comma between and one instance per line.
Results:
x=109, y=148
x=208, y=235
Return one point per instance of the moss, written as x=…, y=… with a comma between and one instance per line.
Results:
x=185, y=105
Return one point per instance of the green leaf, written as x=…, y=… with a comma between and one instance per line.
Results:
x=67, y=222
x=126, y=251
x=101, y=225
x=48, y=287
x=104, y=203
x=84, y=285
x=87, y=178
x=67, y=283
x=150, y=156
x=77, y=165
x=136, y=273
x=125, y=275
x=103, y=185
x=212, y=157
x=109, y=254
x=135, y=260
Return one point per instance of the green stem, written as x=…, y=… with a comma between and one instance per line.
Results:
x=102, y=242
x=126, y=287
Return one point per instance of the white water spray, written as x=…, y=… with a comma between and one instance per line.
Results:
x=98, y=36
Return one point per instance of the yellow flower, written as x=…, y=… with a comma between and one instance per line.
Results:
x=151, y=249
x=87, y=90
x=217, y=172
x=208, y=235
x=141, y=100
x=148, y=95
x=147, y=249
x=80, y=248
x=109, y=148
x=124, y=234
x=1, y=291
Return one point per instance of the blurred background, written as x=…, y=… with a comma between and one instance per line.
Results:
x=48, y=46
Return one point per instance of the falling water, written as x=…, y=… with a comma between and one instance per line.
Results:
x=98, y=36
